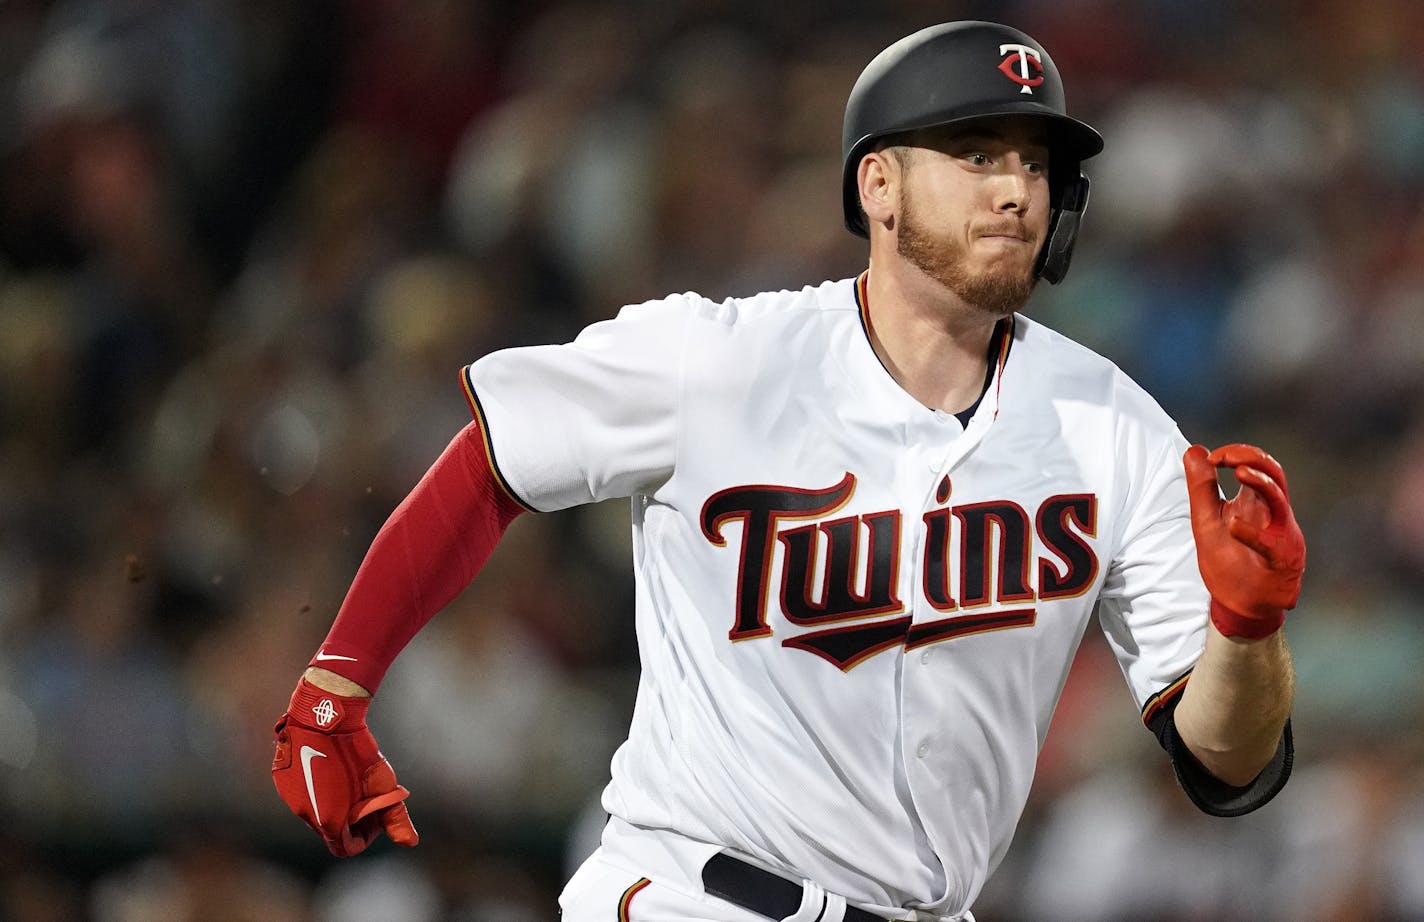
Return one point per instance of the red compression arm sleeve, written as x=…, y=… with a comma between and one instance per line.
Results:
x=425, y=554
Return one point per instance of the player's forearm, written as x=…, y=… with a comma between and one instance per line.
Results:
x=426, y=553
x=1235, y=707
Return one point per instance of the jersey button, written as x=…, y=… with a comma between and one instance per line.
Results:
x=925, y=657
x=923, y=750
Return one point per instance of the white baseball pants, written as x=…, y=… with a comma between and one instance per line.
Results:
x=639, y=875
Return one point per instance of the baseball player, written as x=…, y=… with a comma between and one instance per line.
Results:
x=871, y=521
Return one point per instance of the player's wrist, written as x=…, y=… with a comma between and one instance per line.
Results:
x=334, y=682
x=1258, y=625
x=315, y=708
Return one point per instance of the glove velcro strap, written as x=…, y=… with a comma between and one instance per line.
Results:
x=325, y=712
x=1234, y=624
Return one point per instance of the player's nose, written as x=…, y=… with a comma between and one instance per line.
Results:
x=1013, y=189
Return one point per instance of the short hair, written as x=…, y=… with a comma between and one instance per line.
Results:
x=900, y=146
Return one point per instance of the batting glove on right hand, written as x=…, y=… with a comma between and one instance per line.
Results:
x=1250, y=549
x=332, y=775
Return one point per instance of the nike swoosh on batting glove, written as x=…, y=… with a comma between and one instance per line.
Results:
x=330, y=772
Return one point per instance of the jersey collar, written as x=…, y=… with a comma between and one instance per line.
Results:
x=1000, y=344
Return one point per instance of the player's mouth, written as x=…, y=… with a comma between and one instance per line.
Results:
x=1004, y=233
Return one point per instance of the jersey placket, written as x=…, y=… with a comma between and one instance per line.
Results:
x=941, y=444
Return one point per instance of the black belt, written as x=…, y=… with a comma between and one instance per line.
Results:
x=763, y=892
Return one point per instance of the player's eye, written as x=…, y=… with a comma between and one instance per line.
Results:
x=977, y=159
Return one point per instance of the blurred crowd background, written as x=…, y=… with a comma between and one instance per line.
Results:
x=246, y=245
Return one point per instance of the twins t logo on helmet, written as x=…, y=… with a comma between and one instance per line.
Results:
x=1016, y=66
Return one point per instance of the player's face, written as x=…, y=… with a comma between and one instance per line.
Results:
x=974, y=209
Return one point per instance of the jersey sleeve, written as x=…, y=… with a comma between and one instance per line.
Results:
x=1153, y=606
x=589, y=420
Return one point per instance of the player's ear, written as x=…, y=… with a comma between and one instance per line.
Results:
x=878, y=179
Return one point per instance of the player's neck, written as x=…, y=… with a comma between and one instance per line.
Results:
x=933, y=345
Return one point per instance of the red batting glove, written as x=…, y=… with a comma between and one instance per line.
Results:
x=331, y=773
x=1250, y=549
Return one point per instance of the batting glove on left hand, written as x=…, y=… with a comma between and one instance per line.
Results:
x=332, y=775
x=1250, y=549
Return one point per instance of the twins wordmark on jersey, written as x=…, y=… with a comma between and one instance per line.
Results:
x=986, y=561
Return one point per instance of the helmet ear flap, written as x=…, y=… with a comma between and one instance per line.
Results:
x=1057, y=250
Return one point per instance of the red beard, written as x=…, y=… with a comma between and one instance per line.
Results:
x=997, y=293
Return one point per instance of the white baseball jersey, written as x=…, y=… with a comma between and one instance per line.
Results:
x=854, y=615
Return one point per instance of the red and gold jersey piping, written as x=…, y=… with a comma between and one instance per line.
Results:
x=478, y=412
